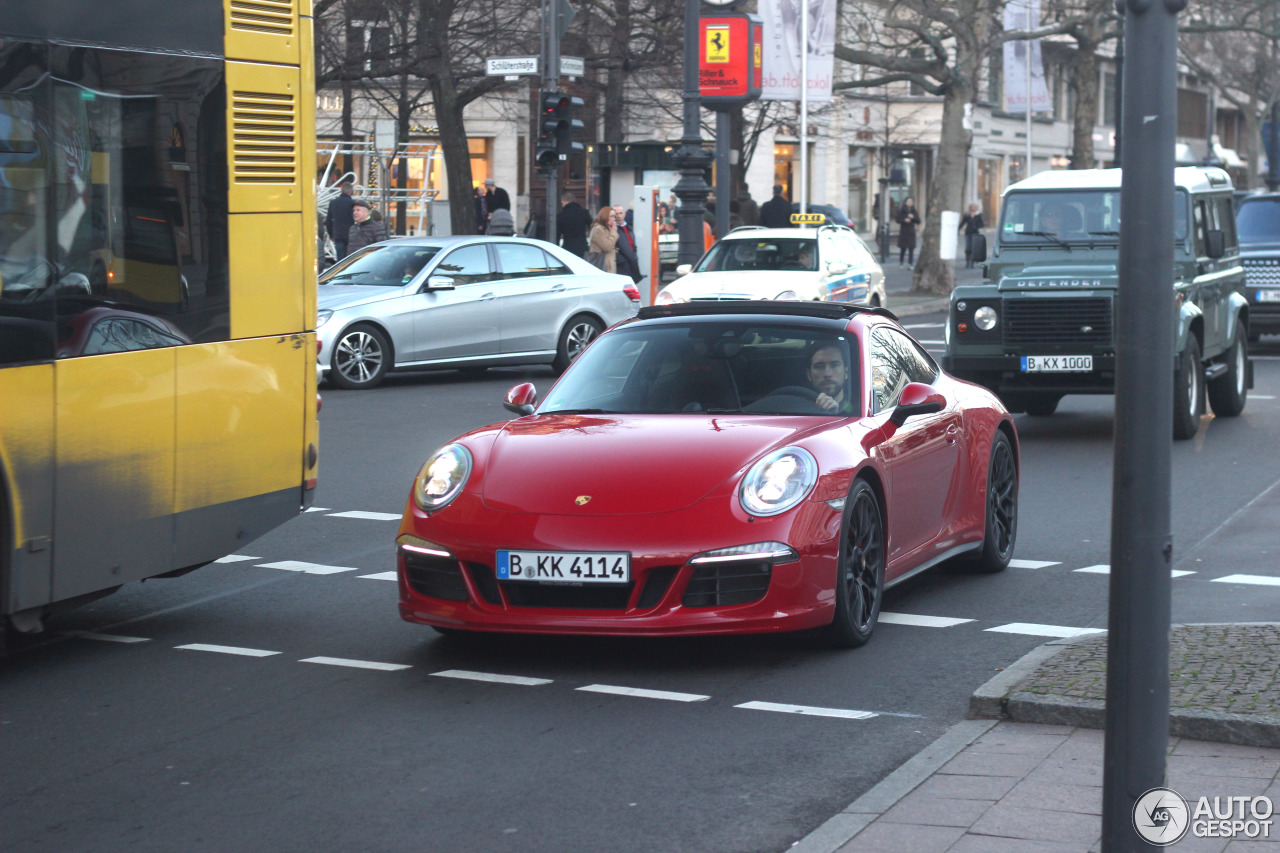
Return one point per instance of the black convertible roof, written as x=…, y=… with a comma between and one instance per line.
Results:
x=824, y=310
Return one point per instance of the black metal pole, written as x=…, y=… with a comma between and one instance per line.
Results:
x=1137, y=709
x=691, y=158
x=722, y=173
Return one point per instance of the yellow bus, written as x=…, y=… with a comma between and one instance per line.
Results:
x=157, y=289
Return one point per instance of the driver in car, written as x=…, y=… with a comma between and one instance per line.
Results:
x=827, y=373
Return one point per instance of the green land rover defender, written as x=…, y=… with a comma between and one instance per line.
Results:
x=1043, y=324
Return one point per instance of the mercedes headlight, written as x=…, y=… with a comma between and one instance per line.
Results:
x=787, y=296
x=322, y=316
x=442, y=477
x=985, y=318
x=778, y=482
x=666, y=297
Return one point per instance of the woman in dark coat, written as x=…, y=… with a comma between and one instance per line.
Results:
x=908, y=218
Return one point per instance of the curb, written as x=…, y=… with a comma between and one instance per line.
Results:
x=918, y=306
x=885, y=794
x=999, y=699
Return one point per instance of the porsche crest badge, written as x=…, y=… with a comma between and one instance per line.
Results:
x=582, y=500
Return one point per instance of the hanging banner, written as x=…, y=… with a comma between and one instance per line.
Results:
x=1017, y=14
x=780, y=77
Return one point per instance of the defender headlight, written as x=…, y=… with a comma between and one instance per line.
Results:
x=442, y=477
x=985, y=318
x=778, y=482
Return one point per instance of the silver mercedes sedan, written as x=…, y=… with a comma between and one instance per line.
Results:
x=461, y=302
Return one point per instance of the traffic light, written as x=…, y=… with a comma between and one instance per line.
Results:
x=558, y=126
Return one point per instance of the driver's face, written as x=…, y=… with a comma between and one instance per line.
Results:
x=827, y=371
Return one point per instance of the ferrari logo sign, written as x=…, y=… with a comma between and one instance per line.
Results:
x=717, y=44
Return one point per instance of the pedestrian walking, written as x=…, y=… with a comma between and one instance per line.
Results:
x=572, y=223
x=495, y=197
x=908, y=218
x=971, y=223
x=366, y=230
x=338, y=220
x=482, y=210
x=776, y=212
x=602, y=244
x=628, y=257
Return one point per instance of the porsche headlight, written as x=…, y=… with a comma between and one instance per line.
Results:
x=985, y=318
x=778, y=482
x=442, y=477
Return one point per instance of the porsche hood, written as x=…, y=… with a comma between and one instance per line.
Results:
x=620, y=465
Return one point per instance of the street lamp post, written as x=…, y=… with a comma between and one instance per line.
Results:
x=691, y=158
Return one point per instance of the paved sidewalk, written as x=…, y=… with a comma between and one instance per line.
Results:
x=1031, y=779
x=901, y=301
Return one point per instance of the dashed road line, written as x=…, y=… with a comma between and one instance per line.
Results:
x=318, y=509
x=920, y=621
x=109, y=638
x=307, y=568
x=236, y=558
x=1035, y=630
x=1255, y=580
x=1104, y=569
x=492, y=678
x=1032, y=564
x=641, y=693
x=228, y=650
x=357, y=664
x=367, y=516
x=380, y=576
x=807, y=710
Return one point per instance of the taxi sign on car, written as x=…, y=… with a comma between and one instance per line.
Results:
x=808, y=218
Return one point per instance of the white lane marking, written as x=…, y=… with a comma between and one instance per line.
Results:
x=228, y=650
x=1034, y=630
x=1104, y=569
x=925, y=326
x=1261, y=397
x=307, y=568
x=1033, y=564
x=808, y=711
x=109, y=638
x=467, y=675
x=367, y=516
x=235, y=558
x=927, y=343
x=920, y=621
x=357, y=664
x=318, y=509
x=381, y=576
x=644, y=694
x=1256, y=580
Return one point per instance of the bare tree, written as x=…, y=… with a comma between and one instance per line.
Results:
x=1090, y=24
x=1233, y=44
x=942, y=48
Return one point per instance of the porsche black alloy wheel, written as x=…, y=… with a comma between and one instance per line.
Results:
x=1002, y=507
x=860, y=573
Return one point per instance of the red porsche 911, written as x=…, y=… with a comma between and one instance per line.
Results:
x=710, y=468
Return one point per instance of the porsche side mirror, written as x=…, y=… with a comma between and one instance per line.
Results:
x=521, y=399
x=917, y=399
x=439, y=282
x=979, y=246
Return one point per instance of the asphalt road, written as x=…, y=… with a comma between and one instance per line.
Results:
x=277, y=702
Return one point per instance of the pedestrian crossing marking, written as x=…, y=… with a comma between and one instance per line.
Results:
x=109, y=638
x=307, y=568
x=367, y=516
x=808, y=711
x=227, y=650
x=492, y=678
x=235, y=558
x=1256, y=580
x=1057, y=631
x=1033, y=564
x=1104, y=569
x=641, y=693
x=380, y=576
x=357, y=664
x=920, y=621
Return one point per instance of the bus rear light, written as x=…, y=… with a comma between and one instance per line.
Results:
x=311, y=484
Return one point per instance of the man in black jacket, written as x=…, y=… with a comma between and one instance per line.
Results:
x=572, y=223
x=366, y=229
x=338, y=220
x=628, y=260
x=776, y=212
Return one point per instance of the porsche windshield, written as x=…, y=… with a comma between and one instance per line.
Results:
x=387, y=265
x=712, y=368
x=786, y=253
